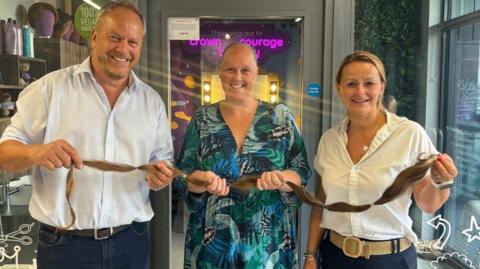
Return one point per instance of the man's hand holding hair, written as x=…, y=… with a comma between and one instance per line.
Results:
x=160, y=178
x=56, y=154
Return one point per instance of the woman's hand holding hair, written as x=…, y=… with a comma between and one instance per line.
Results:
x=216, y=185
x=443, y=169
x=275, y=180
x=432, y=192
x=271, y=180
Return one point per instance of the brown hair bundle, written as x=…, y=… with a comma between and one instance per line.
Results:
x=402, y=182
x=117, y=167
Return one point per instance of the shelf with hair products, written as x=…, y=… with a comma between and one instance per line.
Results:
x=19, y=71
x=16, y=72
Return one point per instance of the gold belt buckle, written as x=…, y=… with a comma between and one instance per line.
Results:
x=352, y=247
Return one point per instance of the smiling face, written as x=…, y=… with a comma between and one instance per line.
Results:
x=116, y=43
x=238, y=72
x=360, y=88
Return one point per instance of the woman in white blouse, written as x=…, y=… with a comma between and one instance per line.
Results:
x=356, y=161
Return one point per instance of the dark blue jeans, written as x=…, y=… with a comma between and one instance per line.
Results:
x=333, y=258
x=128, y=249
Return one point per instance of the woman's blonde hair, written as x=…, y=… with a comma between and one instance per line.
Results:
x=364, y=57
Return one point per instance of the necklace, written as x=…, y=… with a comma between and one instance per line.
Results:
x=365, y=148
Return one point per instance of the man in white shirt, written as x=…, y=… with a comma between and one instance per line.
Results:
x=97, y=110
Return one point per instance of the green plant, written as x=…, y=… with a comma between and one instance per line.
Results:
x=391, y=30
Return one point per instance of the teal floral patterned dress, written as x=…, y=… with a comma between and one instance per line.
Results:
x=255, y=229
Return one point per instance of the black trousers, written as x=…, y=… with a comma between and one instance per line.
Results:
x=332, y=257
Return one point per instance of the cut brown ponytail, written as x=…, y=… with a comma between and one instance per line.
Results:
x=118, y=167
x=404, y=180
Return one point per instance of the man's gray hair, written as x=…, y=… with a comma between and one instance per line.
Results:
x=110, y=6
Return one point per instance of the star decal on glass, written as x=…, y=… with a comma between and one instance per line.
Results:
x=474, y=231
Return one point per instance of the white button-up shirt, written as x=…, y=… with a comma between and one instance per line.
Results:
x=69, y=104
x=396, y=146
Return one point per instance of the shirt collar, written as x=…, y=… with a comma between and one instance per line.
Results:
x=391, y=122
x=86, y=67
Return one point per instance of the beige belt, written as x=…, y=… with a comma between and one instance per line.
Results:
x=354, y=247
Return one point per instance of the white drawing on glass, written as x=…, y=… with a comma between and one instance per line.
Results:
x=3, y=254
x=15, y=236
x=447, y=256
x=474, y=231
x=442, y=241
x=427, y=247
x=16, y=249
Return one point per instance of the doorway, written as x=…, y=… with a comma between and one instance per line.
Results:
x=193, y=80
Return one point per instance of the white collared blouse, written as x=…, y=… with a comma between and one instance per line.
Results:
x=396, y=146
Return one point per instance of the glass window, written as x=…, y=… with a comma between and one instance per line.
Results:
x=457, y=8
x=461, y=126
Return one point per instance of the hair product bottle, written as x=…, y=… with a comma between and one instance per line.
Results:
x=2, y=34
x=10, y=37
x=26, y=41
x=19, y=45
